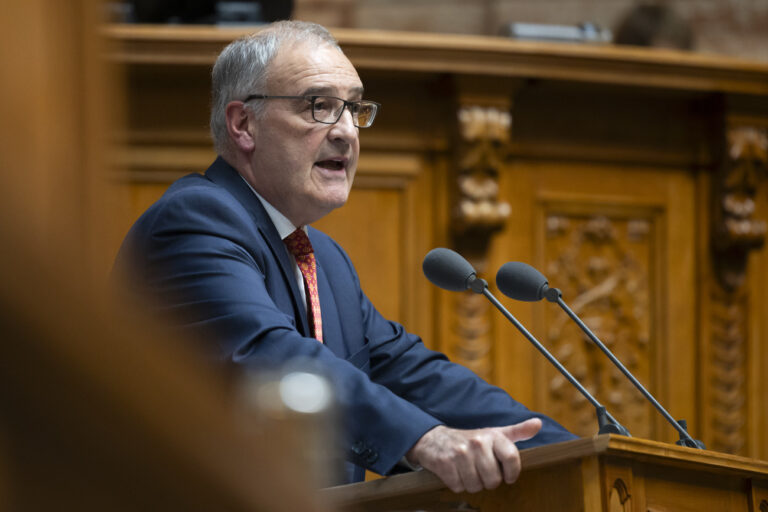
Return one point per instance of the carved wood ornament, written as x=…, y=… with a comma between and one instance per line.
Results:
x=619, y=498
x=601, y=264
x=484, y=134
x=735, y=233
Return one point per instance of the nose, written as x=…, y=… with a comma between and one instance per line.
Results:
x=344, y=129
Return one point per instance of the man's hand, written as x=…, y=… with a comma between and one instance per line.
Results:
x=471, y=460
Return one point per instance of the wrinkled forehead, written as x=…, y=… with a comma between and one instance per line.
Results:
x=302, y=65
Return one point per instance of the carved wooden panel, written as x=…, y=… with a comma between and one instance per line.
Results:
x=604, y=265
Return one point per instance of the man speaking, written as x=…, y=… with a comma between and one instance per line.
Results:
x=231, y=254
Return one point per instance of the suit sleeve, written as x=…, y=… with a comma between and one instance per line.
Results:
x=195, y=252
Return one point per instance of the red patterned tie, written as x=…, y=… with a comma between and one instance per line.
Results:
x=298, y=244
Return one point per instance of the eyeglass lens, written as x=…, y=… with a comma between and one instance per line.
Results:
x=327, y=109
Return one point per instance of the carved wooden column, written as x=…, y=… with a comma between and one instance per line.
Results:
x=735, y=233
x=483, y=138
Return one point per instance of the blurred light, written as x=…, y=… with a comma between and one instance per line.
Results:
x=305, y=392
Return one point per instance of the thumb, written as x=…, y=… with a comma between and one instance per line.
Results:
x=522, y=431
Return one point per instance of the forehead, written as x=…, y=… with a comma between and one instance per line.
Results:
x=298, y=67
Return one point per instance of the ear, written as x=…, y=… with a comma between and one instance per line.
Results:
x=241, y=130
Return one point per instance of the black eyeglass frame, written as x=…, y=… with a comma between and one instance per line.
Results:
x=313, y=98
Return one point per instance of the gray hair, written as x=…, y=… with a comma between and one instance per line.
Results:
x=241, y=68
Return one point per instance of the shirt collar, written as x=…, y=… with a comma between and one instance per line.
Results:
x=284, y=226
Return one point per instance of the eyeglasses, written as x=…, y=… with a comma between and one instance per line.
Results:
x=328, y=109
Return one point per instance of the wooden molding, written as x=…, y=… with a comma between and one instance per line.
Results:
x=464, y=54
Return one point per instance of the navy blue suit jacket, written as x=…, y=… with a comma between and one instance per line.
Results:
x=211, y=255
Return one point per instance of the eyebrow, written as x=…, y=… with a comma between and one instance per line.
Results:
x=329, y=91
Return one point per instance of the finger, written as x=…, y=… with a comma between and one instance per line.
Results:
x=508, y=457
x=469, y=477
x=463, y=459
x=522, y=431
x=433, y=452
x=450, y=477
x=488, y=468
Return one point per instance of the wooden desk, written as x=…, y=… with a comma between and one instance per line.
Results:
x=602, y=473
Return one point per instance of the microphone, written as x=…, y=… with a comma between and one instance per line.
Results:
x=520, y=281
x=449, y=270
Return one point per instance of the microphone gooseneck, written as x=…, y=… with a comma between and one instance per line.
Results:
x=521, y=281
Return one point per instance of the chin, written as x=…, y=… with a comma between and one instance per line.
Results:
x=337, y=203
x=320, y=206
x=335, y=196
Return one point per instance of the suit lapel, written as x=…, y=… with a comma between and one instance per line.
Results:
x=224, y=175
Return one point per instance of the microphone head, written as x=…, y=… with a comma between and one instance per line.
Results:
x=448, y=269
x=520, y=281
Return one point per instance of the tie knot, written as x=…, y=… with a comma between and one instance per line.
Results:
x=298, y=243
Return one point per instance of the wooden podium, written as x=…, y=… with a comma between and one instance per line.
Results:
x=604, y=472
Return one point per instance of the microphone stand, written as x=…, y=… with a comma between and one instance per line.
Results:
x=555, y=295
x=607, y=423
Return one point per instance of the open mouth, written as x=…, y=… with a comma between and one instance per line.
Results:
x=333, y=165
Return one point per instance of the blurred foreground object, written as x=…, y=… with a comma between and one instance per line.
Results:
x=654, y=24
x=297, y=404
x=101, y=409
